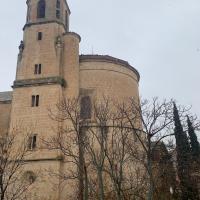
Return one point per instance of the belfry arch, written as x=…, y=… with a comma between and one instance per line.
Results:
x=41, y=8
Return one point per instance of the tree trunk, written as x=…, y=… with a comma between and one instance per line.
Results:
x=86, y=193
x=119, y=195
x=149, y=166
x=1, y=187
x=81, y=166
x=101, y=188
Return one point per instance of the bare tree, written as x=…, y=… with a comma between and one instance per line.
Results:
x=69, y=141
x=97, y=148
x=13, y=184
x=122, y=169
x=151, y=122
x=105, y=149
x=112, y=148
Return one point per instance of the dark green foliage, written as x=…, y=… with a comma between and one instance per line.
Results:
x=188, y=191
x=195, y=147
x=182, y=143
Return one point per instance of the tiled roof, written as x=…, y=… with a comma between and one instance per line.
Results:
x=5, y=96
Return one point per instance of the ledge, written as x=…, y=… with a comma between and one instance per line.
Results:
x=6, y=102
x=39, y=82
x=43, y=22
x=110, y=59
x=43, y=159
x=5, y=97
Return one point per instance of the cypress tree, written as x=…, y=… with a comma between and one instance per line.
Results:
x=183, y=157
x=195, y=157
x=195, y=147
x=182, y=142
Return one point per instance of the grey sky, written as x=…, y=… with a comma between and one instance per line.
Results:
x=160, y=38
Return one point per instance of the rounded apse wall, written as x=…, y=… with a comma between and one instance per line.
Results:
x=109, y=77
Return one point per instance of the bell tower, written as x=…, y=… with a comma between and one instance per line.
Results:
x=47, y=21
x=47, y=70
x=46, y=11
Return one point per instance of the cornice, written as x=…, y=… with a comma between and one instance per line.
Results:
x=6, y=102
x=106, y=58
x=43, y=22
x=40, y=81
x=44, y=159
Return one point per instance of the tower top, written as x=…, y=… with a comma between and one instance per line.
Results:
x=47, y=11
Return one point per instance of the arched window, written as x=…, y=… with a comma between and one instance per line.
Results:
x=86, y=108
x=41, y=9
x=58, y=9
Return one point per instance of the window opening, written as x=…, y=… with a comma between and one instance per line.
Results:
x=35, y=100
x=41, y=9
x=38, y=69
x=86, y=108
x=58, y=9
x=58, y=14
x=58, y=4
x=39, y=35
x=32, y=142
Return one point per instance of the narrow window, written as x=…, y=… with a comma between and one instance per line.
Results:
x=58, y=4
x=35, y=100
x=58, y=14
x=58, y=9
x=41, y=7
x=32, y=142
x=38, y=69
x=39, y=35
x=86, y=108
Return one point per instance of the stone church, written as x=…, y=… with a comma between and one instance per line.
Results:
x=49, y=67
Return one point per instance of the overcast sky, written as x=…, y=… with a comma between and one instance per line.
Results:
x=160, y=38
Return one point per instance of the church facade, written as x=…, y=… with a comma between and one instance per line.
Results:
x=49, y=67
